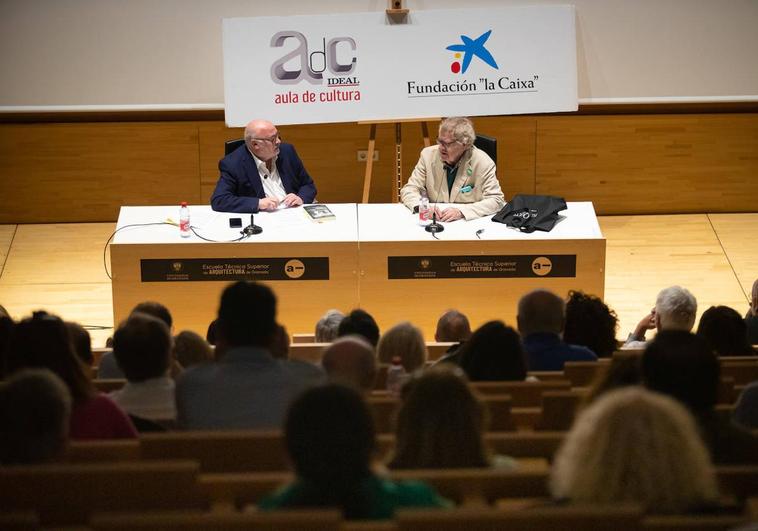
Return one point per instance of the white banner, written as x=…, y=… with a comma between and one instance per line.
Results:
x=362, y=67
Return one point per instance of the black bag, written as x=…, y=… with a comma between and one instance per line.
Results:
x=528, y=213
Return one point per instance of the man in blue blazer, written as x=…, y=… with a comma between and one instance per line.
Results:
x=262, y=175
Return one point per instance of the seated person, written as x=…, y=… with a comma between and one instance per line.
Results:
x=329, y=433
x=142, y=346
x=262, y=174
x=452, y=327
x=541, y=320
x=635, y=446
x=35, y=407
x=351, y=361
x=675, y=309
x=406, y=342
x=455, y=171
x=751, y=318
x=493, y=353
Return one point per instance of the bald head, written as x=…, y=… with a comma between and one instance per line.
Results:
x=541, y=311
x=262, y=138
x=350, y=360
x=452, y=326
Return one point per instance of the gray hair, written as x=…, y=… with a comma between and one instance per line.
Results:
x=676, y=308
x=461, y=128
x=327, y=326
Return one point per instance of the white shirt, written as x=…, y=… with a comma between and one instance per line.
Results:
x=272, y=182
x=152, y=399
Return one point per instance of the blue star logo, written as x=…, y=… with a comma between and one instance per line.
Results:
x=474, y=47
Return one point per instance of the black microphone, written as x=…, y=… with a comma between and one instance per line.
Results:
x=252, y=228
x=434, y=227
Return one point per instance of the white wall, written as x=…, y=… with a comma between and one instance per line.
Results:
x=168, y=52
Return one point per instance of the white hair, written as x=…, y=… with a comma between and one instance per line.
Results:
x=635, y=446
x=327, y=326
x=676, y=307
x=461, y=128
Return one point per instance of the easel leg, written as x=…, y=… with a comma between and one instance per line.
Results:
x=369, y=162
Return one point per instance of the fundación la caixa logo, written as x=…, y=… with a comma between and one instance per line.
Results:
x=465, y=52
x=329, y=66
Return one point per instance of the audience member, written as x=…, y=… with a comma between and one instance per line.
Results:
x=406, y=342
x=350, y=361
x=6, y=330
x=246, y=387
x=493, y=353
x=280, y=343
x=328, y=326
x=441, y=423
x=746, y=410
x=191, y=349
x=675, y=309
x=82, y=342
x=359, y=322
x=142, y=346
x=635, y=446
x=452, y=326
x=624, y=371
x=724, y=331
x=108, y=367
x=330, y=439
x=4, y=312
x=541, y=318
x=35, y=410
x=590, y=323
x=751, y=318
x=42, y=341
x=680, y=364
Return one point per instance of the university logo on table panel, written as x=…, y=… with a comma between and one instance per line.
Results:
x=326, y=66
x=467, y=52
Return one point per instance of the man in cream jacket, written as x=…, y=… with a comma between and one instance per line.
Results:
x=455, y=171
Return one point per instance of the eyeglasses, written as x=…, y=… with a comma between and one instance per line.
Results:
x=272, y=139
x=446, y=145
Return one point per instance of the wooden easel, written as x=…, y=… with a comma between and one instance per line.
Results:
x=398, y=152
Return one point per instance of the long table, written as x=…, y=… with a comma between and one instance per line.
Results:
x=375, y=256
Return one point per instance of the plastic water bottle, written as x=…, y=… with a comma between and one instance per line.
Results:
x=184, y=220
x=424, y=216
x=396, y=376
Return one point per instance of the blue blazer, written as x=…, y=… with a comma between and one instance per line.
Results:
x=239, y=187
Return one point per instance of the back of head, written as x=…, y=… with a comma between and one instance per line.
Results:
x=157, y=310
x=246, y=315
x=35, y=407
x=453, y=326
x=350, y=360
x=42, y=341
x=754, y=298
x=329, y=434
x=590, y=323
x=81, y=341
x=540, y=311
x=724, y=331
x=681, y=365
x=440, y=422
x=635, y=446
x=675, y=309
x=359, y=322
x=407, y=342
x=494, y=353
x=328, y=325
x=142, y=347
x=191, y=349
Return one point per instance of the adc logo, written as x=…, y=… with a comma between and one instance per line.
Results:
x=312, y=65
x=294, y=268
x=541, y=266
x=471, y=48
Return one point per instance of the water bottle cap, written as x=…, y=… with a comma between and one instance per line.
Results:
x=184, y=203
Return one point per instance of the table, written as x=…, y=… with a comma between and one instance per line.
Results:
x=407, y=274
x=375, y=256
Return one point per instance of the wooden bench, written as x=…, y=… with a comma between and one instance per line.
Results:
x=523, y=394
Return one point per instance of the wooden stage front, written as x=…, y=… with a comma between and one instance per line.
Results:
x=59, y=267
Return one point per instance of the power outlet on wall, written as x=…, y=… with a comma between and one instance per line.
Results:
x=363, y=155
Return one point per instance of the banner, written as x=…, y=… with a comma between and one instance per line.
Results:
x=363, y=67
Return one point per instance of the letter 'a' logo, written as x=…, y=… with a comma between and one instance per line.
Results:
x=311, y=64
x=542, y=266
x=294, y=268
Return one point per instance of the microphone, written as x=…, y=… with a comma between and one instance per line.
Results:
x=252, y=228
x=434, y=227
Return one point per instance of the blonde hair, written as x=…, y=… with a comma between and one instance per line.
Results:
x=407, y=342
x=636, y=446
x=440, y=423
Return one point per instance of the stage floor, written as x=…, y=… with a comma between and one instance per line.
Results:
x=59, y=267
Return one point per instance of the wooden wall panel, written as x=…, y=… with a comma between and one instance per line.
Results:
x=516, y=137
x=650, y=164
x=86, y=171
